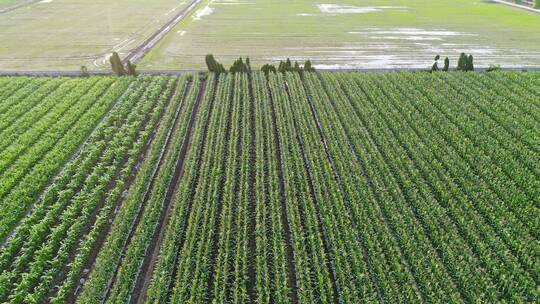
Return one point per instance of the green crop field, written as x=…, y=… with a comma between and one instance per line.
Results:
x=288, y=188
x=351, y=33
x=65, y=34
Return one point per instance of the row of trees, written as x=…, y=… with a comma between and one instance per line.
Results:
x=465, y=63
x=239, y=66
x=118, y=67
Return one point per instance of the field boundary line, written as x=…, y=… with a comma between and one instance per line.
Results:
x=145, y=272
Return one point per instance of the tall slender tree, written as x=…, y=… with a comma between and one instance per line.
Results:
x=462, y=62
x=446, y=64
x=116, y=64
x=470, y=63
x=308, y=67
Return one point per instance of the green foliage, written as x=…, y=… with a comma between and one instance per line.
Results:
x=213, y=65
x=465, y=63
x=435, y=67
x=116, y=64
x=462, y=62
x=131, y=69
x=268, y=68
x=470, y=63
x=240, y=67
x=308, y=66
x=537, y=4
x=442, y=163
x=493, y=68
x=84, y=71
x=446, y=67
x=287, y=66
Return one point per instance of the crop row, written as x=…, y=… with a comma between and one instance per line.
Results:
x=285, y=188
x=36, y=156
x=53, y=234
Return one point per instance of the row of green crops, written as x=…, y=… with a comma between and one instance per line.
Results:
x=243, y=188
x=67, y=218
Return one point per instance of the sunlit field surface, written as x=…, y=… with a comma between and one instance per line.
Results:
x=65, y=34
x=352, y=34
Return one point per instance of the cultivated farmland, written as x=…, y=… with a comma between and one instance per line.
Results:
x=287, y=188
x=62, y=35
x=351, y=34
x=65, y=34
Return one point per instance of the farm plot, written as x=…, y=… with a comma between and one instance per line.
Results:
x=64, y=35
x=287, y=188
x=351, y=34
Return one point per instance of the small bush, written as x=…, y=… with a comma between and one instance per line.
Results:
x=84, y=71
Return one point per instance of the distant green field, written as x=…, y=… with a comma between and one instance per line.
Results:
x=65, y=34
x=352, y=34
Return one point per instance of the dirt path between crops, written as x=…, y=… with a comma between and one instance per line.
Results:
x=139, y=52
x=145, y=274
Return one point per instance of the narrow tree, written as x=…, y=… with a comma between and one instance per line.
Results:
x=308, y=67
x=116, y=64
x=131, y=69
x=268, y=68
x=462, y=62
x=213, y=65
x=470, y=63
x=446, y=64
x=288, y=64
x=435, y=66
x=297, y=67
